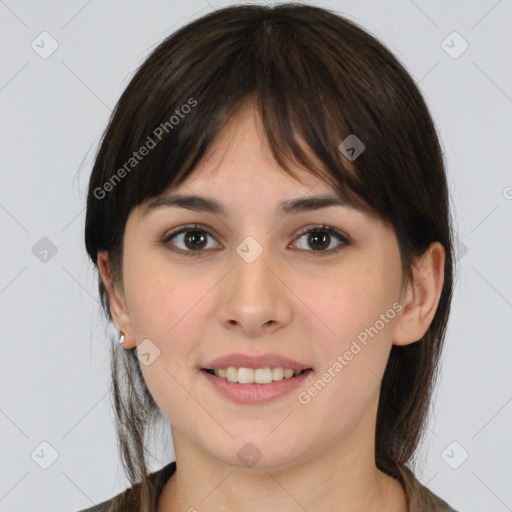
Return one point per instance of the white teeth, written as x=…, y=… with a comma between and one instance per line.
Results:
x=258, y=375
x=231, y=374
x=263, y=376
x=277, y=374
x=245, y=375
x=220, y=372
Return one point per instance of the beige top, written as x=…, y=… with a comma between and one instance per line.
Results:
x=420, y=498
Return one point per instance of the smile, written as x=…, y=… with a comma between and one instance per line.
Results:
x=254, y=375
x=255, y=385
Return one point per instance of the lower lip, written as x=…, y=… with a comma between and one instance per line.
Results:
x=255, y=393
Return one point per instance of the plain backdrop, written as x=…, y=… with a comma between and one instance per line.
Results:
x=64, y=65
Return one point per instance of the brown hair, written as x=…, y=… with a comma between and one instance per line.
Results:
x=315, y=75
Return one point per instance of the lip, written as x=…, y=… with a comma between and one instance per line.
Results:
x=261, y=361
x=254, y=393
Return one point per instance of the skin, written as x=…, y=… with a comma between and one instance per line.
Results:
x=318, y=456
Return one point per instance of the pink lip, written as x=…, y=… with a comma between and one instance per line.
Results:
x=255, y=393
x=261, y=361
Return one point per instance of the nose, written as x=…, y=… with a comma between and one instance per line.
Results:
x=255, y=298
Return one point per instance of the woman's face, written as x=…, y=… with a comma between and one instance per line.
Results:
x=261, y=284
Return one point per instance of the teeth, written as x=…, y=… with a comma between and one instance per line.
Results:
x=277, y=374
x=245, y=375
x=232, y=374
x=258, y=375
x=262, y=375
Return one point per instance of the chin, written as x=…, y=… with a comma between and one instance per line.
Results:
x=257, y=453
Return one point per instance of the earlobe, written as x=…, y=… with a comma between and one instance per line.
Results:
x=421, y=297
x=116, y=300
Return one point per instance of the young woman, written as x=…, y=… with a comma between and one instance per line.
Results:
x=268, y=212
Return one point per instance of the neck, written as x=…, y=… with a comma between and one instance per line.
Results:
x=346, y=481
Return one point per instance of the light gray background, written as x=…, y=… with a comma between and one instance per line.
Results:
x=54, y=364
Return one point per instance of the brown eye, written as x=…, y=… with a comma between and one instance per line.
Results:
x=320, y=238
x=190, y=240
x=195, y=240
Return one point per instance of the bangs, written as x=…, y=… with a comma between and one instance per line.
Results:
x=308, y=106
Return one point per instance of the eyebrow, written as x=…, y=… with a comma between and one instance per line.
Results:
x=210, y=205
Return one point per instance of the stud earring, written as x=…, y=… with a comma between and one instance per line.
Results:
x=121, y=337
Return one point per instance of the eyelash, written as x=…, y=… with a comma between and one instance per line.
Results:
x=322, y=228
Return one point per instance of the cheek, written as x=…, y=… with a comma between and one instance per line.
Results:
x=156, y=298
x=161, y=312
x=354, y=319
x=354, y=340
x=348, y=304
x=167, y=309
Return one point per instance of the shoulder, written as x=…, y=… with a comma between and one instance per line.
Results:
x=422, y=499
x=128, y=497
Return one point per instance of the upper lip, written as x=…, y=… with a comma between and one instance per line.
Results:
x=261, y=361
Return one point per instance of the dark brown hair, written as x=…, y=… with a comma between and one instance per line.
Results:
x=312, y=74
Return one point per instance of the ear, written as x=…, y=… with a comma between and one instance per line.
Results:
x=116, y=299
x=421, y=296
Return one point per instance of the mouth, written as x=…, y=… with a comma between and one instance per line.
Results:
x=261, y=376
x=253, y=386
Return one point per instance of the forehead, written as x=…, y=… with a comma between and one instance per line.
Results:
x=241, y=156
